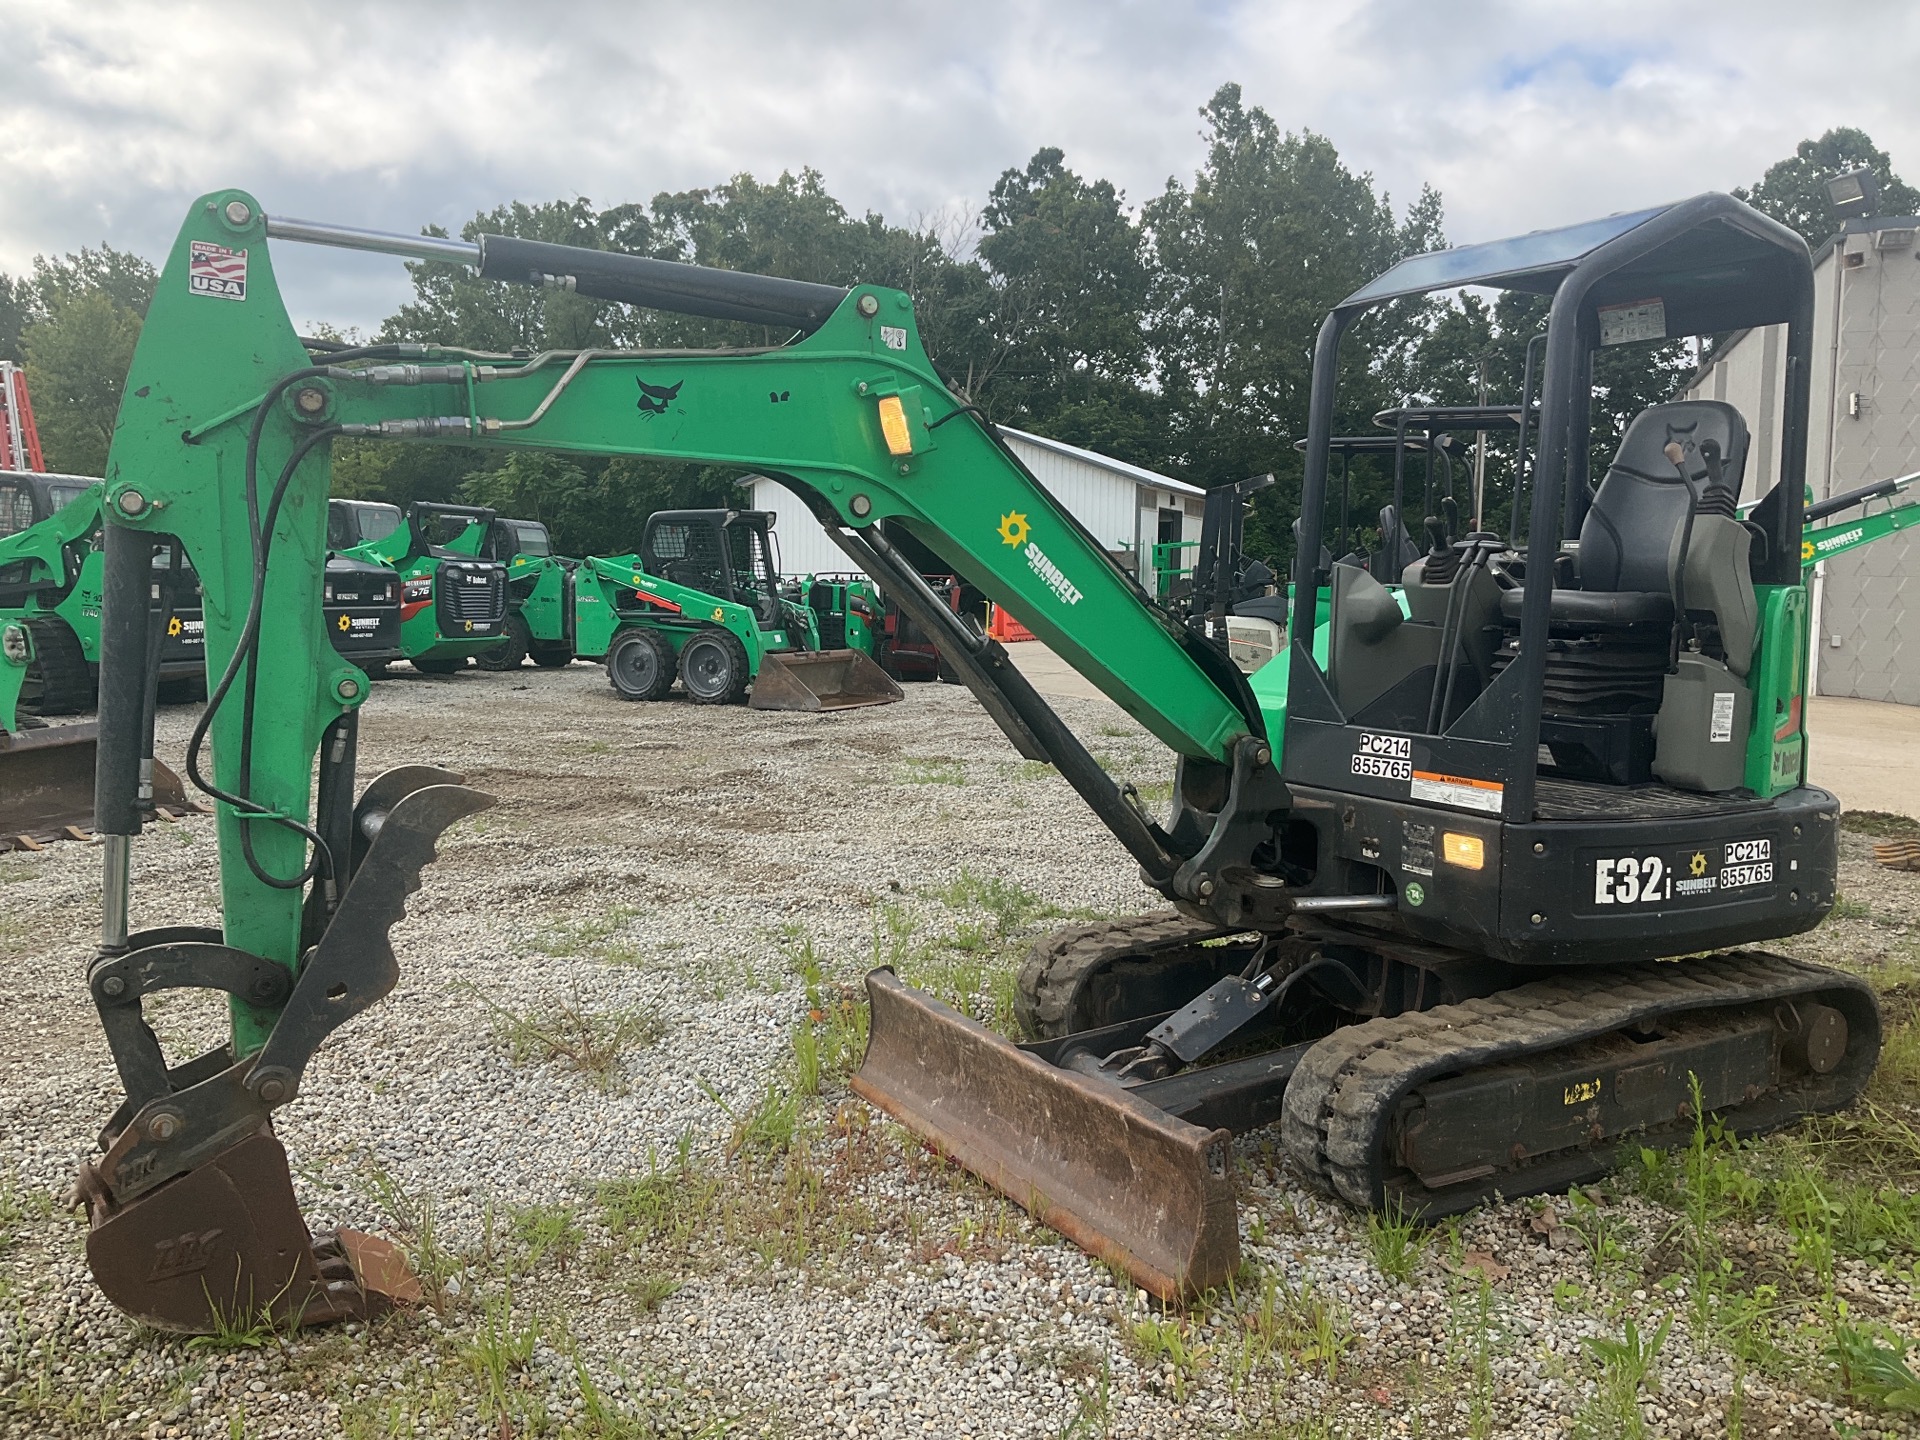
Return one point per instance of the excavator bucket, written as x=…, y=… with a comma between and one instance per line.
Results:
x=1121, y=1179
x=821, y=680
x=224, y=1246
x=46, y=786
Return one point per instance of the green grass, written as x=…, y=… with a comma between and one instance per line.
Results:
x=592, y=936
x=541, y=1231
x=1397, y=1241
x=917, y=770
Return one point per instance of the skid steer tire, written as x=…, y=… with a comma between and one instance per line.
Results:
x=640, y=666
x=58, y=680
x=511, y=652
x=439, y=664
x=713, y=668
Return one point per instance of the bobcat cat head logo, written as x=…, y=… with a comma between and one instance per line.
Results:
x=654, y=399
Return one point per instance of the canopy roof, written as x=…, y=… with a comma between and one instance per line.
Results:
x=1703, y=258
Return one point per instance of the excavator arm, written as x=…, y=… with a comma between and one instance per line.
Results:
x=223, y=442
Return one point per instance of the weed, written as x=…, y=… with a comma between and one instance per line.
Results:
x=1117, y=732
x=410, y=1220
x=1625, y=1365
x=1397, y=1240
x=1094, y=1415
x=592, y=937
x=1872, y=1361
x=245, y=1327
x=932, y=770
x=1845, y=909
x=543, y=1230
x=1480, y=1394
x=1012, y=906
x=594, y=1042
x=1881, y=824
x=1164, y=1340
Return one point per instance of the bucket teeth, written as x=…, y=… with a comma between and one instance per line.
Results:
x=224, y=1246
x=1121, y=1179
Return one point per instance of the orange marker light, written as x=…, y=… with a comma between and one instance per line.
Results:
x=893, y=425
x=1469, y=852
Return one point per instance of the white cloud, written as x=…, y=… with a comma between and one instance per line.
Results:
x=115, y=115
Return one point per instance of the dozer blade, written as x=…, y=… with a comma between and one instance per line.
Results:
x=46, y=785
x=224, y=1247
x=821, y=680
x=1122, y=1180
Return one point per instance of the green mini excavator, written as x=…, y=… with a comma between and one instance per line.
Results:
x=1464, y=901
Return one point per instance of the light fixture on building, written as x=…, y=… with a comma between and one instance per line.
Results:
x=1854, y=195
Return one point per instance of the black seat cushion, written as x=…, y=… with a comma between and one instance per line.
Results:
x=1602, y=608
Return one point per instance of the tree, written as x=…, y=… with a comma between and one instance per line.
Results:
x=1792, y=191
x=1274, y=232
x=1069, y=278
x=77, y=361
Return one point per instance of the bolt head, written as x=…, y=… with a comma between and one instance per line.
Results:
x=163, y=1127
x=132, y=502
x=310, y=399
x=113, y=985
x=348, y=688
x=1204, y=888
x=868, y=305
x=238, y=212
x=1538, y=918
x=1263, y=756
x=273, y=1091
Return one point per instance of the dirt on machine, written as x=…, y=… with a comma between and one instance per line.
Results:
x=1464, y=885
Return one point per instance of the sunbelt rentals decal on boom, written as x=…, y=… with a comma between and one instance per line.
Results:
x=1015, y=531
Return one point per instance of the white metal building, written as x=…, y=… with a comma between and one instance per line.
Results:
x=1864, y=425
x=1125, y=508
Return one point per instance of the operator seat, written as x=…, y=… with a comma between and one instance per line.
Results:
x=1632, y=529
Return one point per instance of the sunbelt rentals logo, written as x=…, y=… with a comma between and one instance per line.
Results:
x=1015, y=531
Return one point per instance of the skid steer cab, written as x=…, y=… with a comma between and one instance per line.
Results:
x=702, y=602
x=540, y=592
x=453, y=602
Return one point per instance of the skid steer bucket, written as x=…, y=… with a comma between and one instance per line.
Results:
x=46, y=786
x=1121, y=1179
x=821, y=680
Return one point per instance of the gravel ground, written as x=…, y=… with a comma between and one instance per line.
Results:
x=671, y=894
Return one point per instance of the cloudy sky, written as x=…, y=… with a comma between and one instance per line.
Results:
x=113, y=116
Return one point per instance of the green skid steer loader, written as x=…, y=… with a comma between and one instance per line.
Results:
x=50, y=592
x=452, y=600
x=702, y=600
x=539, y=597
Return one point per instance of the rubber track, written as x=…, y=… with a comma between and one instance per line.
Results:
x=1059, y=963
x=66, y=684
x=1342, y=1099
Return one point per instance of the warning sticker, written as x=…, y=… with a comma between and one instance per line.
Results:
x=1722, y=731
x=1461, y=791
x=1635, y=320
x=894, y=337
x=217, y=271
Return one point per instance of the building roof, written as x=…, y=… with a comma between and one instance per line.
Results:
x=1102, y=462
